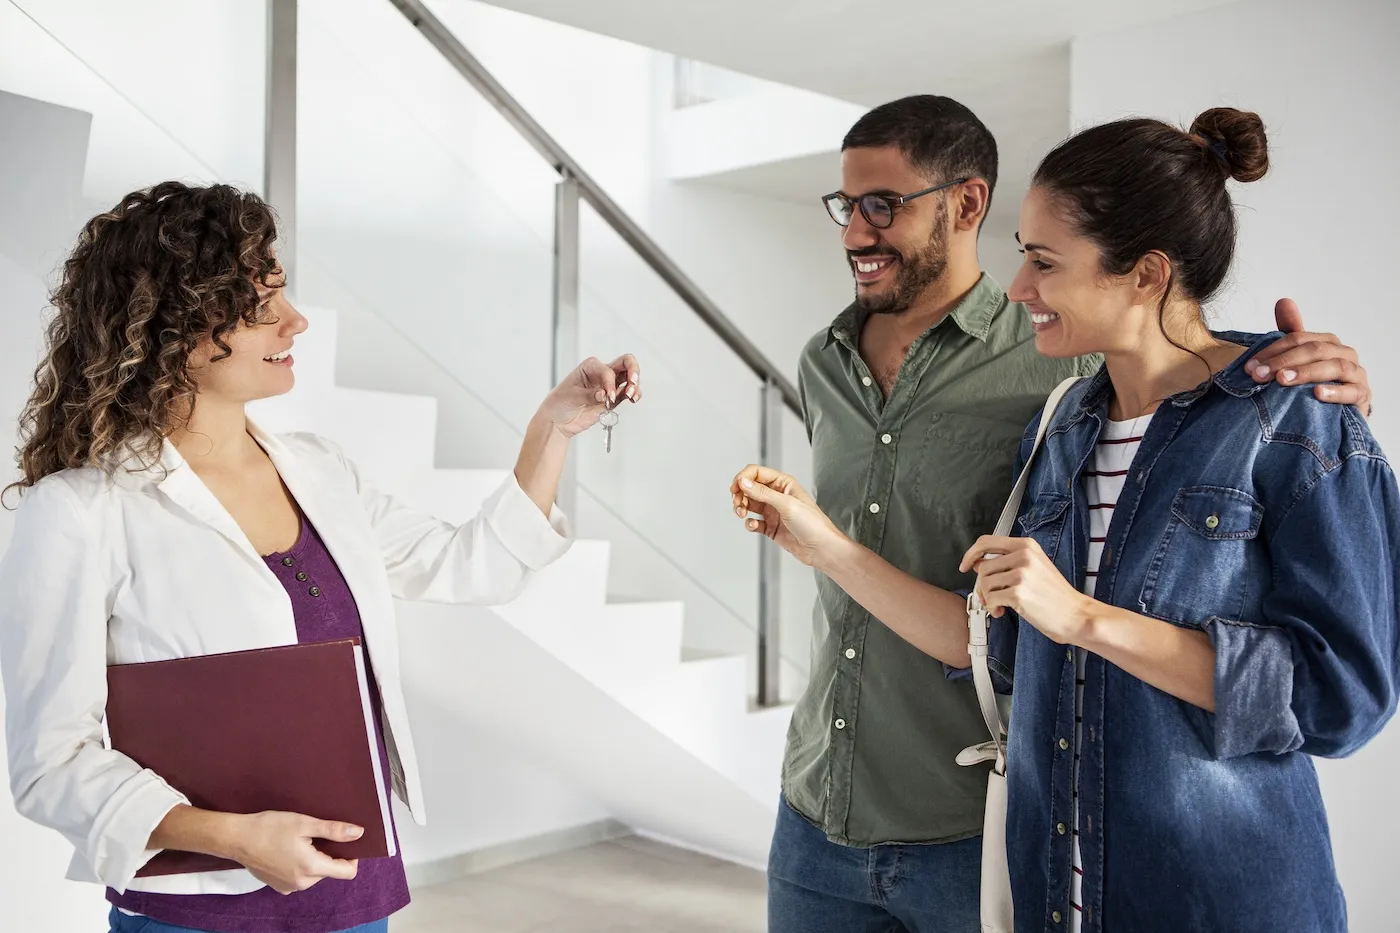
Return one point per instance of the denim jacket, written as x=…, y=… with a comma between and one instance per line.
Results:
x=1271, y=522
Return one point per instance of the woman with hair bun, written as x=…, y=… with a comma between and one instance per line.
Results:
x=1203, y=596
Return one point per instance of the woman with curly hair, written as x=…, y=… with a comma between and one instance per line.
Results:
x=156, y=521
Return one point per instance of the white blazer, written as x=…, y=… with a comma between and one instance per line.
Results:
x=147, y=567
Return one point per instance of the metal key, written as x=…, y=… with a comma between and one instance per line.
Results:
x=607, y=419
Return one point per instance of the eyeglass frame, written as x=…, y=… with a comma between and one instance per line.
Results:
x=893, y=202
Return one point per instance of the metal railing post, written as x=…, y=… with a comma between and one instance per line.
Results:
x=280, y=129
x=565, y=352
x=770, y=452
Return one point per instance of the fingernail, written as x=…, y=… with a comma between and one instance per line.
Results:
x=1262, y=372
x=356, y=832
x=1328, y=392
x=1288, y=375
x=739, y=512
x=747, y=482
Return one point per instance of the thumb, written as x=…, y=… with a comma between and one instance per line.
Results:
x=758, y=492
x=1287, y=316
x=334, y=831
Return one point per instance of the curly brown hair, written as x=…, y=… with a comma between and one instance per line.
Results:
x=149, y=280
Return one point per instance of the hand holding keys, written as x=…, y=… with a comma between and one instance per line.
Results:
x=608, y=419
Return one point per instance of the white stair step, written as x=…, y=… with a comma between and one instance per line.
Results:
x=611, y=649
x=578, y=581
x=693, y=702
x=401, y=432
x=658, y=626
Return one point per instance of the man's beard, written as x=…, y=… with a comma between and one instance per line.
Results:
x=916, y=272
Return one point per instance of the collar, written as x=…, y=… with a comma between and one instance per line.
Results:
x=973, y=315
x=1232, y=380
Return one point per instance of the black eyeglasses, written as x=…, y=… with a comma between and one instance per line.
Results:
x=877, y=209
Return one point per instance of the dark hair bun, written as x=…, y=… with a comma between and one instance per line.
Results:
x=1237, y=141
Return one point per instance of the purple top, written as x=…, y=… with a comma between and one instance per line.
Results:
x=324, y=610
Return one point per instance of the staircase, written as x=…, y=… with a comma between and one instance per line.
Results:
x=602, y=693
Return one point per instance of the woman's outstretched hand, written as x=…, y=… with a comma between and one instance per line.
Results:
x=594, y=386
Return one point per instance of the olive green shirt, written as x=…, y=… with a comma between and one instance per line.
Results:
x=916, y=478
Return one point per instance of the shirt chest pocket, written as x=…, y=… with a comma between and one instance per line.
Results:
x=963, y=473
x=1044, y=522
x=1204, y=564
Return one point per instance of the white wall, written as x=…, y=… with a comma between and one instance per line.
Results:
x=427, y=223
x=1320, y=228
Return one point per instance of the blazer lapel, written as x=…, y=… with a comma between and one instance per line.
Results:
x=181, y=485
x=333, y=514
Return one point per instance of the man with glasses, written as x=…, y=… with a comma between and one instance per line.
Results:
x=915, y=399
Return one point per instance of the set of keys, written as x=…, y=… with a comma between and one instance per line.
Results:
x=608, y=419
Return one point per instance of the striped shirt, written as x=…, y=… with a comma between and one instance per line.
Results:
x=1103, y=483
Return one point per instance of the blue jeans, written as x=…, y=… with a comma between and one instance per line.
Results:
x=122, y=923
x=819, y=886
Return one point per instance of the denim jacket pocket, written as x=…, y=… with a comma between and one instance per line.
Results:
x=1044, y=522
x=1203, y=563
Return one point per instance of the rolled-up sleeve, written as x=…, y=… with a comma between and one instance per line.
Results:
x=486, y=561
x=53, y=660
x=1319, y=671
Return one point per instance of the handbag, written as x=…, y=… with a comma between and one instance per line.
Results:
x=996, y=873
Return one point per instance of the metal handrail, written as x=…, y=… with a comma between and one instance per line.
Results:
x=422, y=19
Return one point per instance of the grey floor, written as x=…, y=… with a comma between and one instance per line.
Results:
x=627, y=885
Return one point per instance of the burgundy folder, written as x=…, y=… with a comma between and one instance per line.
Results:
x=287, y=728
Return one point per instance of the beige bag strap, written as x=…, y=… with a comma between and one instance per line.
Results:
x=977, y=613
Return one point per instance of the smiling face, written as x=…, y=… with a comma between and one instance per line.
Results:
x=893, y=265
x=1075, y=307
x=259, y=362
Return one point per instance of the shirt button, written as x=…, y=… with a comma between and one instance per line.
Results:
x=315, y=591
x=287, y=562
x=840, y=723
x=865, y=380
x=1056, y=916
x=874, y=508
x=1069, y=654
x=1064, y=744
x=1213, y=522
x=1061, y=828
x=850, y=652
x=301, y=575
x=885, y=438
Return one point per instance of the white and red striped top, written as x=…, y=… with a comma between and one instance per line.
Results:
x=1103, y=483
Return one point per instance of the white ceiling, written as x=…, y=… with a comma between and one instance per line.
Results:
x=1008, y=60
x=864, y=52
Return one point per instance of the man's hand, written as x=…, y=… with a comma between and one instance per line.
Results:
x=1302, y=358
